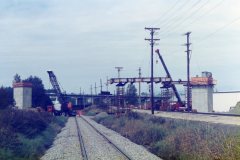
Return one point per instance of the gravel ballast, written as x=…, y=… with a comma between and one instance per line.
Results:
x=96, y=146
x=66, y=145
x=136, y=152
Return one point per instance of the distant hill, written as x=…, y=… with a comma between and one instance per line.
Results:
x=236, y=109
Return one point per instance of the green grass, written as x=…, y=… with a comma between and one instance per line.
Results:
x=25, y=135
x=93, y=110
x=177, y=139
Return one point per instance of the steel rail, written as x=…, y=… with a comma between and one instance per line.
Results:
x=108, y=140
x=82, y=146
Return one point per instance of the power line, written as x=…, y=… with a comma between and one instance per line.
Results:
x=205, y=13
x=219, y=29
x=176, y=26
x=213, y=33
x=173, y=13
x=196, y=19
x=178, y=16
x=167, y=12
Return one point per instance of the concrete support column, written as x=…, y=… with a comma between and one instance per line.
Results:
x=22, y=94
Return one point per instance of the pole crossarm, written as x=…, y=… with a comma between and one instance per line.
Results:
x=155, y=39
x=151, y=28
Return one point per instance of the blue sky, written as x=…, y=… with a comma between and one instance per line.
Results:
x=82, y=41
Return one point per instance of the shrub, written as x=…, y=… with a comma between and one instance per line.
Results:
x=25, y=135
x=158, y=120
x=177, y=139
x=134, y=115
x=30, y=123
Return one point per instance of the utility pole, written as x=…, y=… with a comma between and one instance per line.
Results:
x=152, y=42
x=119, y=70
x=188, y=71
x=83, y=99
x=101, y=84
x=107, y=84
x=139, y=87
x=95, y=88
x=91, y=88
x=120, y=92
x=91, y=94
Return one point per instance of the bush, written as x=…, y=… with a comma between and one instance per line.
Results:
x=177, y=139
x=29, y=123
x=92, y=110
x=27, y=134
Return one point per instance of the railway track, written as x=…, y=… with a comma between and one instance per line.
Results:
x=83, y=145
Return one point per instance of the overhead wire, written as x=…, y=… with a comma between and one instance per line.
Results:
x=168, y=11
x=205, y=13
x=176, y=27
x=217, y=30
x=199, y=17
x=202, y=15
x=165, y=20
x=213, y=33
x=179, y=15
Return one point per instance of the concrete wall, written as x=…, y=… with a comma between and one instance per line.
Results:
x=202, y=98
x=23, y=97
x=222, y=101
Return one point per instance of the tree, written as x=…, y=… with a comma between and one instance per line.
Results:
x=6, y=97
x=17, y=78
x=39, y=97
x=131, y=94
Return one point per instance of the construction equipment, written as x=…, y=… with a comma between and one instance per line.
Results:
x=180, y=104
x=60, y=105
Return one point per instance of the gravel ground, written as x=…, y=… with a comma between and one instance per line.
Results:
x=136, y=152
x=196, y=117
x=97, y=147
x=66, y=145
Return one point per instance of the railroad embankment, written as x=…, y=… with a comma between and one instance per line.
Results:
x=25, y=135
x=175, y=138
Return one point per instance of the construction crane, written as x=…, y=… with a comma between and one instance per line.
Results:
x=169, y=84
x=64, y=107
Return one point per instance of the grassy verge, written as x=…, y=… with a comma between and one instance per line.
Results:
x=93, y=110
x=25, y=135
x=177, y=139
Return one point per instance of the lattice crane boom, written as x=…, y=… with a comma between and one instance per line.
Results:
x=169, y=76
x=56, y=87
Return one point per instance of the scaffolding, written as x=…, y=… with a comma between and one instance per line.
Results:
x=120, y=99
x=190, y=98
x=166, y=98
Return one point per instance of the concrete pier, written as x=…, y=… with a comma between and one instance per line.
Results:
x=22, y=94
x=202, y=92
